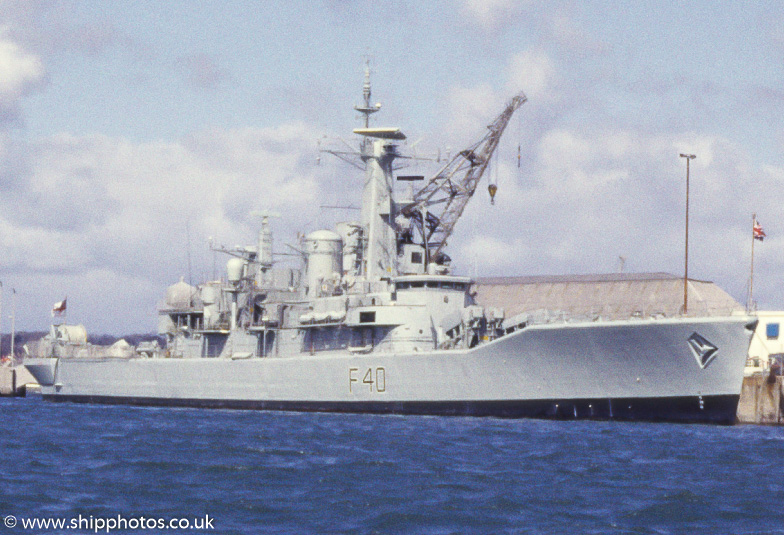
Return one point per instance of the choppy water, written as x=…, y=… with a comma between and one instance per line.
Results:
x=258, y=472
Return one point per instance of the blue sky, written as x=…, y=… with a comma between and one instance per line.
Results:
x=132, y=131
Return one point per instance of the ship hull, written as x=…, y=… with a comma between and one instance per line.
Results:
x=706, y=409
x=685, y=370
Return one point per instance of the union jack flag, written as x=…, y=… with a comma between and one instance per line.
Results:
x=759, y=234
x=59, y=308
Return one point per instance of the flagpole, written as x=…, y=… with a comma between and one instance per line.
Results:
x=13, y=324
x=751, y=275
x=686, y=255
x=1, y=319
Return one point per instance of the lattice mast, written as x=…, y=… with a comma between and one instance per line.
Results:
x=437, y=207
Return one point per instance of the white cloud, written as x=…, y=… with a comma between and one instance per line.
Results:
x=470, y=109
x=20, y=72
x=96, y=204
x=489, y=13
x=103, y=220
x=588, y=197
x=559, y=23
x=533, y=71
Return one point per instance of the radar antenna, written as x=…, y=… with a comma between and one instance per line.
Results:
x=367, y=110
x=452, y=187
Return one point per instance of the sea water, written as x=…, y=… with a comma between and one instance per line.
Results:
x=116, y=469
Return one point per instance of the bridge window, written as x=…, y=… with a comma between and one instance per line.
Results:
x=772, y=331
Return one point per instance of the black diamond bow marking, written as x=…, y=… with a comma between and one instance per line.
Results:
x=702, y=350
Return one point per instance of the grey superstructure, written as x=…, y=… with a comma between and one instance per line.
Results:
x=376, y=322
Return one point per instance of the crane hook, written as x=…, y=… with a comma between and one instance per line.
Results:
x=492, y=188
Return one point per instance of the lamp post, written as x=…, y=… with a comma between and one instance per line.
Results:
x=686, y=261
x=13, y=325
x=1, y=319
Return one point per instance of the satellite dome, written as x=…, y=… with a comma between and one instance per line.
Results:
x=323, y=235
x=180, y=295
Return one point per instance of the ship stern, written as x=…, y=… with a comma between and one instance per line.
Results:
x=42, y=369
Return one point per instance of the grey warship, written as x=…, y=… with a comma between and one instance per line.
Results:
x=376, y=322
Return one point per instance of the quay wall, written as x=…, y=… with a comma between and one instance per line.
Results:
x=761, y=400
x=13, y=380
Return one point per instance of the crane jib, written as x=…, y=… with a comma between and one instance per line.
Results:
x=454, y=185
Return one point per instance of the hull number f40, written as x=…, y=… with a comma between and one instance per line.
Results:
x=372, y=379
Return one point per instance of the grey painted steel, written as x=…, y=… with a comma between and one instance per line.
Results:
x=373, y=323
x=633, y=359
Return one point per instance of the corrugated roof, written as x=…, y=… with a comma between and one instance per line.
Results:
x=611, y=296
x=595, y=277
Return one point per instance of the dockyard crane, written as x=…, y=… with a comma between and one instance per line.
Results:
x=436, y=208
